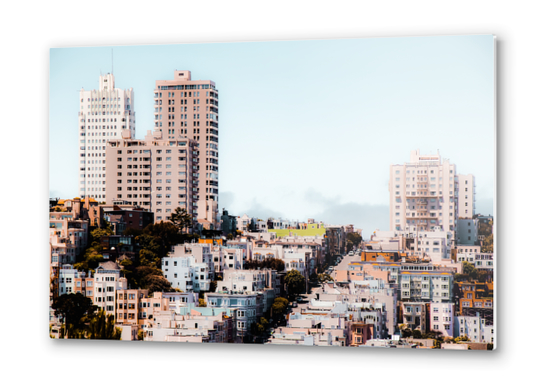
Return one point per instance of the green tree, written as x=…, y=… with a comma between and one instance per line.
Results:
x=126, y=263
x=181, y=219
x=269, y=263
x=405, y=330
x=147, y=258
x=102, y=326
x=258, y=329
x=93, y=254
x=417, y=334
x=355, y=238
x=128, y=271
x=202, y=303
x=295, y=283
x=279, y=306
x=98, y=233
x=459, y=339
x=153, y=280
x=349, y=245
x=431, y=334
x=485, y=229
x=93, y=260
x=74, y=309
x=470, y=270
x=149, y=243
x=484, y=275
x=165, y=235
x=212, y=286
x=323, y=277
x=487, y=244
x=132, y=232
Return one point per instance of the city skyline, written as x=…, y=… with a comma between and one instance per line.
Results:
x=328, y=107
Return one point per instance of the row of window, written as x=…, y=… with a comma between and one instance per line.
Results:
x=420, y=172
x=105, y=99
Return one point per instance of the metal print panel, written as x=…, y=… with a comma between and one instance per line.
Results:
x=315, y=193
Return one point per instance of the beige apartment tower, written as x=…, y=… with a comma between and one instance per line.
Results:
x=103, y=114
x=188, y=109
x=159, y=174
x=424, y=194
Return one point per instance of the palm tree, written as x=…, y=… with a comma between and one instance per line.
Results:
x=102, y=326
x=181, y=219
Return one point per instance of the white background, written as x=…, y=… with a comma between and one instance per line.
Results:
x=29, y=30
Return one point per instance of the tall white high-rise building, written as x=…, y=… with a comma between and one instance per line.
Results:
x=425, y=194
x=103, y=114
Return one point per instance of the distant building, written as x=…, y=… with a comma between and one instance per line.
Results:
x=465, y=196
x=335, y=241
x=481, y=261
x=441, y=318
x=436, y=245
x=477, y=296
x=425, y=282
x=374, y=255
x=193, y=325
x=107, y=282
x=468, y=249
x=115, y=246
x=136, y=307
x=414, y=315
x=358, y=333
x=467, y=232
x=228, y=223
x=189, y=267
x=69, y=230
x=245, y=305
x=475, y=328
x=122, y=217
x=71, y=280
x=427, y=193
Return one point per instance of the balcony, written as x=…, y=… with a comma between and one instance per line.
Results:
x=422, y=187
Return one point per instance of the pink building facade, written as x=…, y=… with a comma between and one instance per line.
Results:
x=417, y=186
x=188, y=109
x=156, y=173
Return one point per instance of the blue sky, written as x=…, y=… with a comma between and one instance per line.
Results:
x=308, y=129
